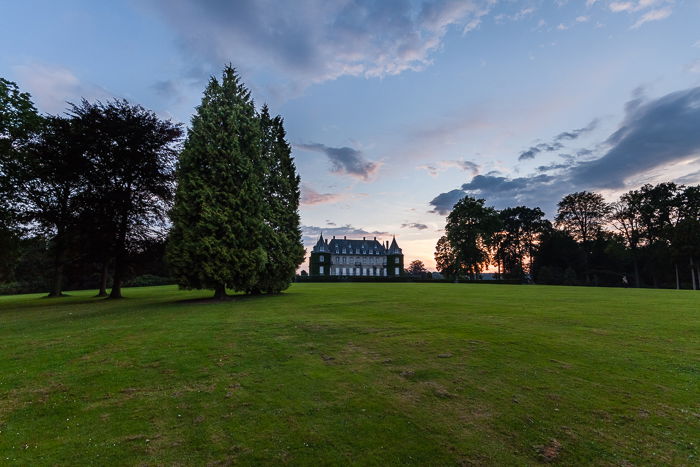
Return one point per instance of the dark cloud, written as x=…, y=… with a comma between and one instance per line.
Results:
x=317, y=40
x=443, y=203
x=557, y=144
x=653, y=134
x=538, y=148
x=573, y=134
x=414, y=225
x=345, y=160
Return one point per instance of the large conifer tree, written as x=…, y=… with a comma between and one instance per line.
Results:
x=282, y=238
x=218, y=225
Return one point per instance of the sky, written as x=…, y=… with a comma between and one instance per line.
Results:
x=396, y=109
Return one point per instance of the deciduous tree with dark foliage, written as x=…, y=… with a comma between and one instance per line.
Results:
x=54, y=169
x=416, y=268
x=130, y=176
x=471, y=229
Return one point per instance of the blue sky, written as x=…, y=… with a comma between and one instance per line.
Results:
x=396, y=109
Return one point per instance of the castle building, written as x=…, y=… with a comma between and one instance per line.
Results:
x=364, y=257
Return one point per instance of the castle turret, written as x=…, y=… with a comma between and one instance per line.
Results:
x=394, y=259
x=320, y=258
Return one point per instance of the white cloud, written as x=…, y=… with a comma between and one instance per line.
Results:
x=653, y=15
x=621, y=6
x=694, y=67
x=52, y=87
x=582, y=19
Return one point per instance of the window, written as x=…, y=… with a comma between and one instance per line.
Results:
x=396, y=260
x=320, y=270
x=343, y=250
x=396, y=270
x=320, y=259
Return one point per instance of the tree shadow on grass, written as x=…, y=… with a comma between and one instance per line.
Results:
x=228, y=299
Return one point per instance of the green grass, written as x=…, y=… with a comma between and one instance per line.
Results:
x=367, y=374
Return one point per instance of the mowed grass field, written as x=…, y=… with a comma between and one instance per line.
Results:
x=365, y=374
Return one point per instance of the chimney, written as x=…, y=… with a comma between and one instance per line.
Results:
x=375, y=239
x=333, y=237
x=345, y=237
x=363, y=239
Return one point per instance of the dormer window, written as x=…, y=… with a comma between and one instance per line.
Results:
x=343, y=250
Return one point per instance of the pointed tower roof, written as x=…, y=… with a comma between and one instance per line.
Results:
x=320, y=244
x=394, y=247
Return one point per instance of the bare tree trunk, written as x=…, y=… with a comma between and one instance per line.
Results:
x=678, y=280
x=119, y=259
x=220, y=292
x=103, y=279
x=692, y=273
x=57, y=287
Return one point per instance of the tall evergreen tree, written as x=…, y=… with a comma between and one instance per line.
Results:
x=282, y=237
x=218, y=219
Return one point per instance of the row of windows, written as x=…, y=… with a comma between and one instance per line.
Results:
x=357, y=251
x=352, y=259
x=357, y=271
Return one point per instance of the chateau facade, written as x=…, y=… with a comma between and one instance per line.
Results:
x=364, y=257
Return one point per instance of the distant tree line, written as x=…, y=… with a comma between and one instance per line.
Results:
x=649, y=237
x=107, y=194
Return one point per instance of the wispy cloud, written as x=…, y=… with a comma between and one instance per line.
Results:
x=310, y=233
x=556, y=144
x=653, y=15
x=52, y=87
x=653, y=10
x=414, y=225
x=436, y=168
x=310, y=196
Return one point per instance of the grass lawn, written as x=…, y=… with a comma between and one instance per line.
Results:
x=367, y=374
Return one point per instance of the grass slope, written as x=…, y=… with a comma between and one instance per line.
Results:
x=367, y=374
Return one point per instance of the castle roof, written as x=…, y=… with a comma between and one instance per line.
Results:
x=358, y=247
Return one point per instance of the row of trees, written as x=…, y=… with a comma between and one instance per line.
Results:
x=90, y=188
x=100, y=190
x=648, y=237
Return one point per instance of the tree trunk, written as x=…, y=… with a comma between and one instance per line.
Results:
x=692, y=273
x=678, y=280
x=57, y=287
x=103, y=279
x=220, y=292
x=119, y=258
